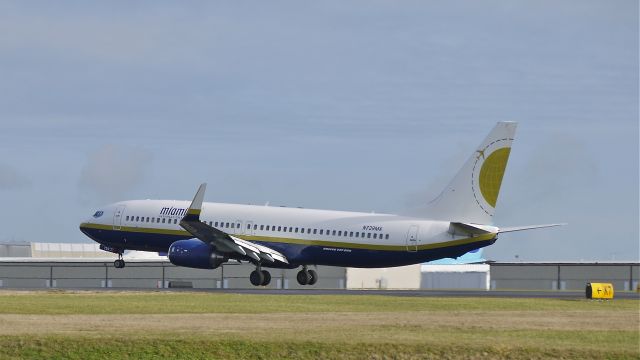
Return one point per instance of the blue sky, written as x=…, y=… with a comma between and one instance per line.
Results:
x=368, y=106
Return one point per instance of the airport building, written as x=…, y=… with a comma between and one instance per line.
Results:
x=145, y=274
x=564, y=275
x=462, y=276
x=401, y=277
x=84, y=266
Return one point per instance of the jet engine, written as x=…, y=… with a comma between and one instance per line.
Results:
x=196, y=254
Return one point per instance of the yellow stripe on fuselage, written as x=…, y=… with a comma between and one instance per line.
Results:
x=273, y=239
x=485, y=237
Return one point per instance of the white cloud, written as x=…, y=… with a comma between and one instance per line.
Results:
x=11, y=178
x=112, y=171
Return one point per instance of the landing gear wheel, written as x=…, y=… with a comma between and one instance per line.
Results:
x=257, y=278
x=267, y=278
x=303, y=277
x=118, y=264
x=313, y=277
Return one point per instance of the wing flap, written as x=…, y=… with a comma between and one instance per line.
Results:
x=261, y=249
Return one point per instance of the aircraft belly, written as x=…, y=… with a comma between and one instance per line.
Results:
x=364, y=258
x=297, y=254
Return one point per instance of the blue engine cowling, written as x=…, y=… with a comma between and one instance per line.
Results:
x=194, y=253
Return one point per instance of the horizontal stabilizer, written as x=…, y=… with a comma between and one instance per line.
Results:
x=466, y=229
x=529, y=227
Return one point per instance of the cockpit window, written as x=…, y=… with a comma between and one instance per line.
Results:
x=98, y=214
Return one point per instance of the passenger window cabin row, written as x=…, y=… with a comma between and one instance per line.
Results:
x=150, y=220
x=278, y=228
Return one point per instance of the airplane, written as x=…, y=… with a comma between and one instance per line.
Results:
x=205, y=235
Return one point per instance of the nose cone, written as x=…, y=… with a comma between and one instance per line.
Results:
x=84, y=227
x=87, y=229
x=96, y=226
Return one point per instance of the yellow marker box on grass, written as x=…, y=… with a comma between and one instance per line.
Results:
x=599, y=291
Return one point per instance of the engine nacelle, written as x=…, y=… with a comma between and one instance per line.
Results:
x=196, y=254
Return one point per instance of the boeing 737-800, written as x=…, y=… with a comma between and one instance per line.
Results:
x=205, y=235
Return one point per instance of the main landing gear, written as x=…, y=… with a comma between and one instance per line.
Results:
x=307, y=277
x=119, y=264
x=260, y=277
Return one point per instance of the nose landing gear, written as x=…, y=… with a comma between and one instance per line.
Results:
x=119, y=263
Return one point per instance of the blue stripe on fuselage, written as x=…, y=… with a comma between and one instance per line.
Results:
x=297, y=254
x=127, y=240
x=364, y=258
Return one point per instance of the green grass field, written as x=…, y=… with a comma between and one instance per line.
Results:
x=197, y=325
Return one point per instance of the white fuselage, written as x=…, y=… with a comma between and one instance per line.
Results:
x=303, y=235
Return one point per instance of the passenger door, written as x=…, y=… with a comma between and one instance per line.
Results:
x=237, y=229
x=248, y=228
x=117, y=217
x=412, y=238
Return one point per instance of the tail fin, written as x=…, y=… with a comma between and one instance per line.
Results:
x=473, y=193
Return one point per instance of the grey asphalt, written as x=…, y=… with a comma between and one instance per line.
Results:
x=429, y=293
x=536, y=294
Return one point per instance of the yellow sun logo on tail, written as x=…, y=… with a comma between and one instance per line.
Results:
x=491, y=174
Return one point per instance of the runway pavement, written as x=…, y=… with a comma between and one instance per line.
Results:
x=540, y=294
x=429, y=293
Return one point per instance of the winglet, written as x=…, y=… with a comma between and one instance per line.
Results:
x=193, y=213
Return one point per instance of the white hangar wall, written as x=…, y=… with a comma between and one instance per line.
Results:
x=401, y=277
x=466, y=276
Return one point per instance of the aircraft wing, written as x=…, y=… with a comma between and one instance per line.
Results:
x=221, y=240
